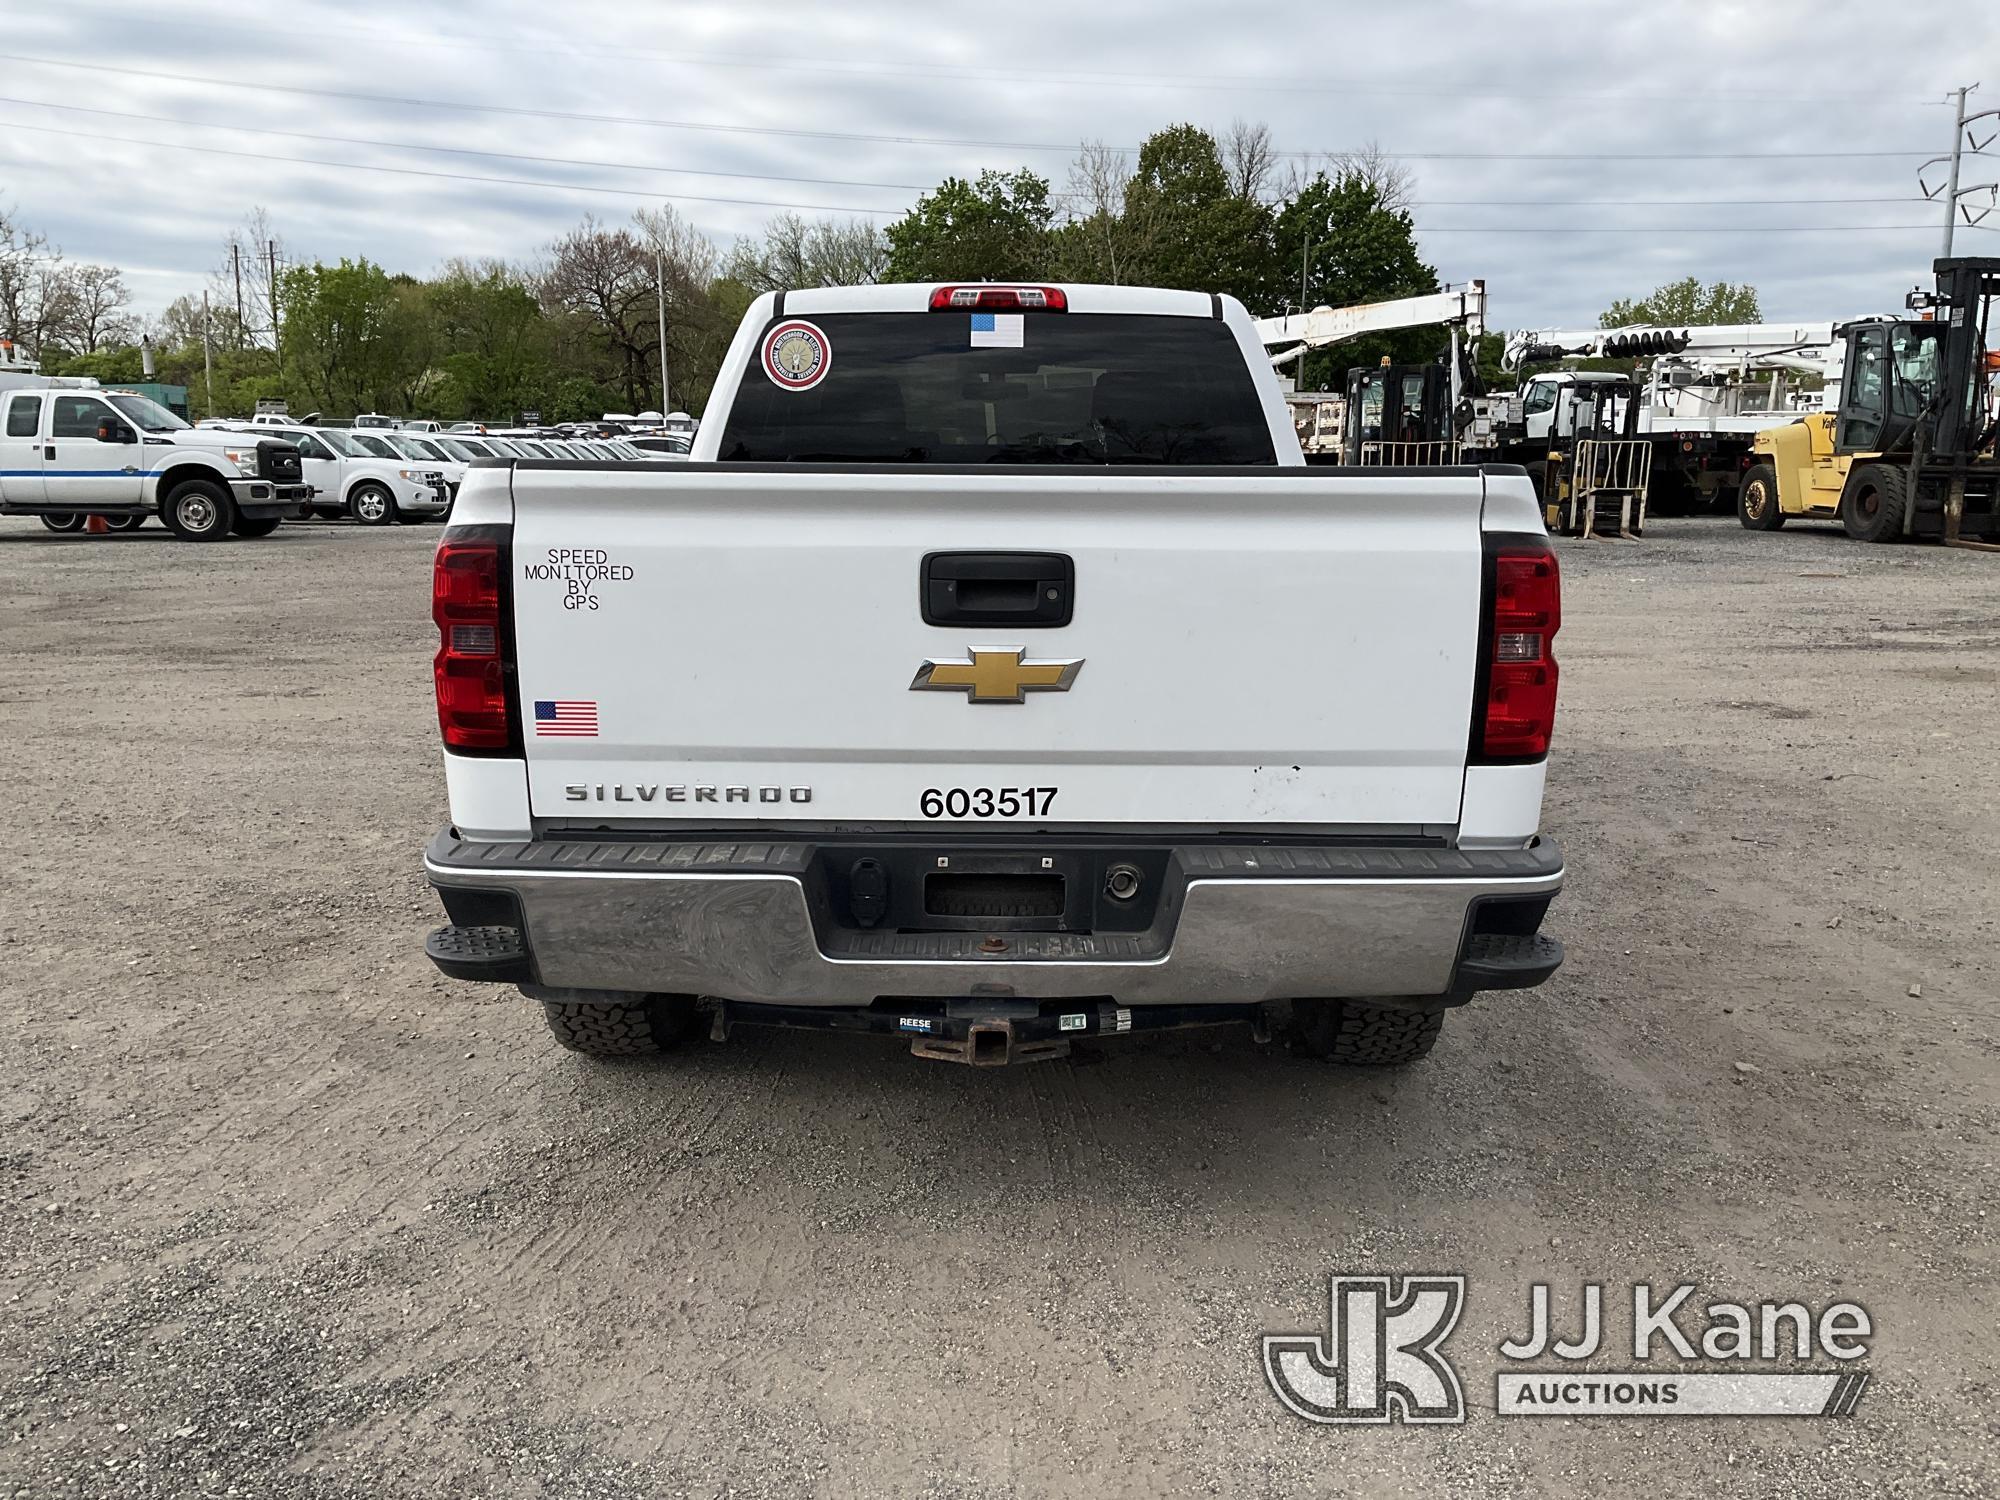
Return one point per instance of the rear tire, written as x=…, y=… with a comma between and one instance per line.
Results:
x=256, y=525
x=124, y=523
x=1360, y=1035
x=199, y=510
x=1872, y=509
x=64, y=521
x=1757, y=499
x=632, y=1028
x=1538, y=476
x=372, y=505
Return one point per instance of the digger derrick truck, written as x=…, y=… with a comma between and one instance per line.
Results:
x=1397, y=415
x=1702, y=393
x=1906, y=444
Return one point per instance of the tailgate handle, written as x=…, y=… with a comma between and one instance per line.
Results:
x=1024, y=589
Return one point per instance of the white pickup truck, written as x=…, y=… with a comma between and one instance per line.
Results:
x=69, y=449
x=995, y=674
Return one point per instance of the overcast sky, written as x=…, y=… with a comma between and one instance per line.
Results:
x=1480, y=96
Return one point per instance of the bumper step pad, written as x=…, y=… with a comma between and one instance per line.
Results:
x=1495, y=961
x=497, y=955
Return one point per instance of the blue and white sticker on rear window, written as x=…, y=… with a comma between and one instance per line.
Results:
x=797, y=355
x=997, y=331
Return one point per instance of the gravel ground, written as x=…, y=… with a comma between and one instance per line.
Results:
x=283, y=1213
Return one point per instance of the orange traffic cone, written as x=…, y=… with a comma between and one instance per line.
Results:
x=97, y=526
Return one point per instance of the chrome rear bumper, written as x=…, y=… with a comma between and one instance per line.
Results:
x=1239, y=925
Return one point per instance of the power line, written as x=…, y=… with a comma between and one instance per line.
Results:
x=881, y=68
x=1638, y=202
x=913, y=187
x=575, y=187
x=1670, y=228
x=348, y=166
x=237, y=85
x=554, y=161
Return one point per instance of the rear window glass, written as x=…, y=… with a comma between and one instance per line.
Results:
x=1078, y=388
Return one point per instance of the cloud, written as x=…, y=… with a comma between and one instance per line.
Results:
x=1473, y=92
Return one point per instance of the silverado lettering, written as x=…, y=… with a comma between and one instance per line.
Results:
x=615, y=792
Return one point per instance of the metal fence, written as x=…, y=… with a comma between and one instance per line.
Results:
x=1610, y=480
x=1410, y=455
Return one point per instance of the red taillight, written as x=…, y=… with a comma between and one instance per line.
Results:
x=1520, y=671
x=999, y=299
x=471, y=670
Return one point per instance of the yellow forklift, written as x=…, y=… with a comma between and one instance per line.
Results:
x=1906, y=446
x=1592, y=469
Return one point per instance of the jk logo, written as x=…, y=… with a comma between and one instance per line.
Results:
x=1379, y=1359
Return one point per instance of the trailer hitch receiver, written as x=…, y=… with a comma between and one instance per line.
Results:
x=990, y=1044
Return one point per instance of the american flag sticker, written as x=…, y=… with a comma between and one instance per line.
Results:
x=566, y=718
x=997, y=331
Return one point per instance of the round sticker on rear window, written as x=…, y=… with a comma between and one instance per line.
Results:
x=797, y=355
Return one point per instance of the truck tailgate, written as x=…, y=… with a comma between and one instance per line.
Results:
x=725, y=645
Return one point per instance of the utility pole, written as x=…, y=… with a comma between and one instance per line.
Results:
x=208, y=353
x=1305, y=252
x=660, y=277
x=271, y=249
x=236, y=265
x=1952, y=192
x=1951, y=187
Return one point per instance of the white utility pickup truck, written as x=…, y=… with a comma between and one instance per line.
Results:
x=69, y=450
x=995, y=674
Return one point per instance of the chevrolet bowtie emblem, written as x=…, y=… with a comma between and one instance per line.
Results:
x=996, y=674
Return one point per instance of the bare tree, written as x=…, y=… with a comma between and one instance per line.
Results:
x=93, y=315
x=687, y=255
x=178, y=325
x=604, y=278
x=849, y=253
x=1394, y=183
x=35, y=286
x=798, y=252
x=246, y=252
x=1101, y=240
x=1250, y=159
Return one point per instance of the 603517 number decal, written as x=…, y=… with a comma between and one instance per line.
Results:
x=987, y=802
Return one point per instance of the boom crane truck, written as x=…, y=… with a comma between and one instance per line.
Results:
x=1583, y=467
x=1703, y=395
x=1393, y=415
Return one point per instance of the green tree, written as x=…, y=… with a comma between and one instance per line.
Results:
x=495, y=338
x=1187, y=224
x=1686, y=304
x=120, y=366
x=995, y=229
x=343, y=329
x=1342, y=245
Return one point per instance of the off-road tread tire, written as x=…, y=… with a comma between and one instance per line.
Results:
x=1774, y=515
x=1886, y=525
x=649, y=1024
x=1364, y=1036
